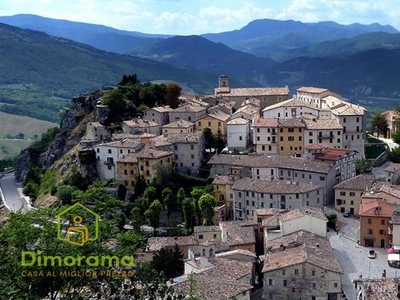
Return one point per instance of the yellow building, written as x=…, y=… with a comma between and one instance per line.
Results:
x=290, y=136
x=222, y=193
x=216, y=121
x=150, y=160
x=145, y=164
x=348, y=193
x=127, y=171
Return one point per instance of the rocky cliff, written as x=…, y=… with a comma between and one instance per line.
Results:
x=72, y=129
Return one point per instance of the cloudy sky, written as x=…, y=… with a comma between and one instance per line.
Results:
x=203, y=16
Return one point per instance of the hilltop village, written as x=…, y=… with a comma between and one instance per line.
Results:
x=282, y=160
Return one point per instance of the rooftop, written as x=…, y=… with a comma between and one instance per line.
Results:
x=393, y=167
x=123, y=143
x=209, y=288
x=224, y=180
x=376, y=208
x=179, y=124
x=238, y=121
x=153, y=153
x=333, y=154
x=274, y=186
x=267, y=122
x=274, y=161
x=139, y=122
x=161, y=109
x=155, y=244
x=381, y=288
x=285, y=216
x=189, y=108
x=359, y=182
x=238, y=232
x=300, y=247
x=217, y=114
x=290, y=103
x=312, y=90
x=213, y=228
x=293, y=122
x=331, y=124
x=253, y=92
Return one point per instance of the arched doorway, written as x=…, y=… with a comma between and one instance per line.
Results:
x=382, y=243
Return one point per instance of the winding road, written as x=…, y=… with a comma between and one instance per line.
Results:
x=12, y=196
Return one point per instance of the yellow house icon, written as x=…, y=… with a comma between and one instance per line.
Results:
x=77, y=233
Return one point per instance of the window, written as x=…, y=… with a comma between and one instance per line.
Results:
x=263, y=148
x=285, y=282
x=258, y=130
x=200, y=236
x=270, y=282
x=283, y=272
x=352, y=194
x=191, y=147
x=290, y=129
x=342, y=193
x=369, y=221
x=322, y=178
x=192, y=156
x=125, y=172
x=258, y=138
x=290, y=138
x=313, y=273
x=369, y=231
x=296, y=271
x=381, y=232
x=314, y=285
x=335, y=284
x=98, y=150
x=382, y=221
x=240, y=138
x=199, y=123
x=109, y=151
x=270, y=296
x=310, y=133
x=209, y=123
x=297, y=196
x=281, y=138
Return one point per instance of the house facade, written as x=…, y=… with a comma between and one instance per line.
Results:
x=216, y=121
x=252, y=194
x=309, y=270
x=238, y=134
x=158, y=114
x=348, y=193
x=187, y=112
x=375, y=217
x=180, y=126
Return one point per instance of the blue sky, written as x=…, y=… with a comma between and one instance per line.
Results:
x=186, y=17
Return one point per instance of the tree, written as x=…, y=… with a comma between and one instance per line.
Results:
x=167, y=197
x=379, y=124
x=169, y=263
x=188, y=210
x=180, y=196
x=137, y=219
x=207, y=203
x=64, y=194
x=394, y=155
x=208, y=138
x=153, y=214
x=173, y=94
x=396, y=137
x=150, y=193
x=196, y=193
x=363, y=165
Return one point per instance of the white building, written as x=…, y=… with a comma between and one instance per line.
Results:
x=238, y=134
x=109, y=153
x=311, y=219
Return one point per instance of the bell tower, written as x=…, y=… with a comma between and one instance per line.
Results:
x=223, y=81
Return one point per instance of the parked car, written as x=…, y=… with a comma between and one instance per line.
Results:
x=371, y=254
x=346, y=214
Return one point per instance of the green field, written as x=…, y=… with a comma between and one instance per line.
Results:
x=26, y=127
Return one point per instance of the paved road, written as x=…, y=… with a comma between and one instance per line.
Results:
x=353, y=258
x=12, y=197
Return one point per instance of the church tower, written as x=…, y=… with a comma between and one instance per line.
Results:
x=223, y=81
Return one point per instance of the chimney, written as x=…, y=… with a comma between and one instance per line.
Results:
x=317, y=245
x=384, y=274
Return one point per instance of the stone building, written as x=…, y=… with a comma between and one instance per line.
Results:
x=301, y=266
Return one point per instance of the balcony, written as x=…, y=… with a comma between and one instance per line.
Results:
x=325, y=136
x=274, y=133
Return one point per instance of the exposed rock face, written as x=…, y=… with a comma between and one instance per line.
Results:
x=72, y=129
x=23, y=162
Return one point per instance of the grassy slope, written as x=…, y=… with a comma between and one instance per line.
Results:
x=13, y=124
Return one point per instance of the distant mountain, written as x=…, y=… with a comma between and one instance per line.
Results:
x=201, y=54
x=267, y=38
x=38, y=70
x=98, y=36
x=345, y=46
x=369, y=73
